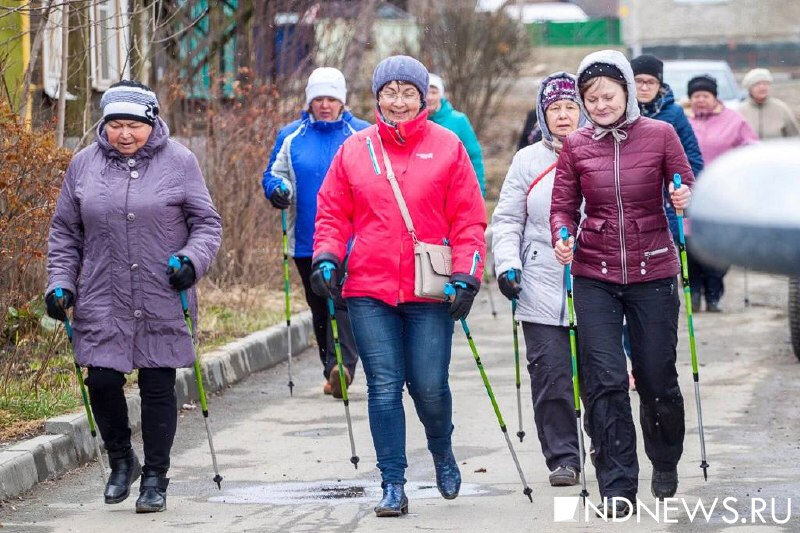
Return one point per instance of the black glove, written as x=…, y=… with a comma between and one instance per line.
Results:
x=184, y=277
x=57, y=309
x=510, y=287
x=466, y=289
x=322, y=287
x=280, y=198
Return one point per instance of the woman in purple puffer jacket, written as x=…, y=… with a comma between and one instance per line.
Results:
x=625, y=265
x=128, y=202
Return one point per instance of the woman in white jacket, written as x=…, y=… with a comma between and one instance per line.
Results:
x=521, y=227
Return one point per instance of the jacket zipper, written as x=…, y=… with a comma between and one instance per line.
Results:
x=621, y=216
x=660, y=251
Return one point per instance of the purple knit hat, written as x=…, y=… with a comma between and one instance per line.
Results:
x=559, y=89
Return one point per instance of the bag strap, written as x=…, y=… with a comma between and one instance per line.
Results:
x=398, y=196
x=541, y=176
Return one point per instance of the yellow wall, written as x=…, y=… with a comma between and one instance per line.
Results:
x=14, y=50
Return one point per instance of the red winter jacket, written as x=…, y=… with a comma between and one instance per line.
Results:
x=625, y=237
x=356, y=200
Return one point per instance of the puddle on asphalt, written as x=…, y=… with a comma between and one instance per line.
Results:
x=317, y=432
x=330, y=492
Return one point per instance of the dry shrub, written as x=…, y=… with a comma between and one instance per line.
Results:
x=31, y=170
x=479, y=54
x=233, y=139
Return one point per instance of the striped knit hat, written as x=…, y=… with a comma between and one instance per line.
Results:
x=129, y=100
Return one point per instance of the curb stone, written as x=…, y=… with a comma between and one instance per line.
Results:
x=67, y=442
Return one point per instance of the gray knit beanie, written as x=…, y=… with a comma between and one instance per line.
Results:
x=129, y=100
x=400, y=68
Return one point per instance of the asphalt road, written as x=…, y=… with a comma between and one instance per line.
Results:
x=286, y=460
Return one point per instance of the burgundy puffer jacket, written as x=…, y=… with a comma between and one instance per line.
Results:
x=625, y=237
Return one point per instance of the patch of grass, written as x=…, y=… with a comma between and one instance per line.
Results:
x=37, y=376
x=22, y=412
x=221, y=325
x=232, y=313
x=21, y=404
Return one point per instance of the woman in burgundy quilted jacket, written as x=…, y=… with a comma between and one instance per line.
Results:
x=625, y=265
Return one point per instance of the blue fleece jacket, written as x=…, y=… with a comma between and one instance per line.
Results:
x=300, y=159
x=664, y=108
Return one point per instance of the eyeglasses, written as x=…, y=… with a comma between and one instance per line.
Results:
x=408, y=97
x=646, y=83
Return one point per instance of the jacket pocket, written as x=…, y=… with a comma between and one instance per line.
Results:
x=523, y=258
x=592, y=238
x=654, y=242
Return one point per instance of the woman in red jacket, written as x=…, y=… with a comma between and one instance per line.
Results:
x=402, y=339
x=625, y=266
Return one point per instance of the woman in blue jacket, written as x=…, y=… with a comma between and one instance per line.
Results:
x=300, y=159
x=657, y=101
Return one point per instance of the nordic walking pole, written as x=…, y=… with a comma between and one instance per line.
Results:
x=487, y=283
x=175, y=264
x=576, y=387
x=337, y=348
x=79, y=374
x=450, y=291
x=286, y=295
x=687, y=298
x=521, y=434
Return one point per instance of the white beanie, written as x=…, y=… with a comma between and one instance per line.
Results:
x=326, y=81
x=438, y=82
x=755, y=76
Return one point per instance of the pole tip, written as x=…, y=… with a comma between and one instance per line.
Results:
x=218, y=481
x=354, y=460
x=521, y=435
x=704, y=465
x=291, y=388
x=529, y=493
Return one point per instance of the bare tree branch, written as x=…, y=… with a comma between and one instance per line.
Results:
x=363, y=32
x=35, y=49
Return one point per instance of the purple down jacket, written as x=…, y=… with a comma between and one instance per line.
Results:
x=117, y=222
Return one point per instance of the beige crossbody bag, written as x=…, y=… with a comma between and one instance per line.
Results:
x=433, y=263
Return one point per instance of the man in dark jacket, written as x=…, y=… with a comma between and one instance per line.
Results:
x=657, y=101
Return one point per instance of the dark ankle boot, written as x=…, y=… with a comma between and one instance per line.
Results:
x=152, y=493
x=615, y=508
x=394, y=501
x=125, y=468
x=448, y=477
x=664, y=484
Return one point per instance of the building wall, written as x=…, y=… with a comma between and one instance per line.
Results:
x=389, y=36
x=14, y=48
x=691, y=22
x=599, y=8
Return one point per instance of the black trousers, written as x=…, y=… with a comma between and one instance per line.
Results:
x=550, y=368
x=704, y=279
x=159, y=413
x=651, y=311
x=322, y=324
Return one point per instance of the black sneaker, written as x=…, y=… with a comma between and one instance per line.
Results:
x=564, y=476
x=664, y=484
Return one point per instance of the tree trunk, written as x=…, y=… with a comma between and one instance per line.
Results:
x=35, y=49
x=62, y=83
x=363, y=33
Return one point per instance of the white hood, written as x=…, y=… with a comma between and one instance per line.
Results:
x=613, y=57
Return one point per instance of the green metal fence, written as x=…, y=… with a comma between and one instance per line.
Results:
x=593, y=32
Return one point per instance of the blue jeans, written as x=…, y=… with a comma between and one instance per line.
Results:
x=404, y=345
